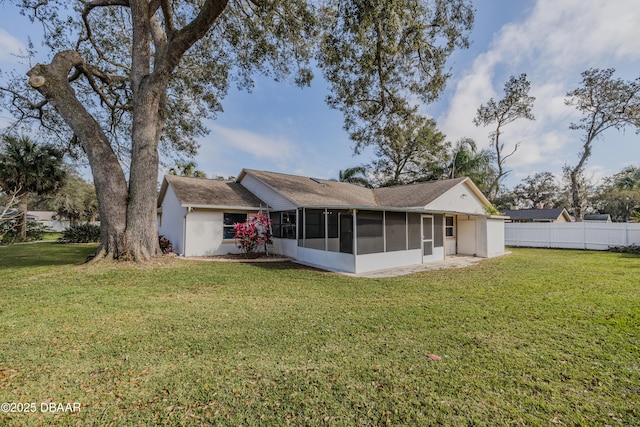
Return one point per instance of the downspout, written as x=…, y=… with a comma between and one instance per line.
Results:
x=184, y=231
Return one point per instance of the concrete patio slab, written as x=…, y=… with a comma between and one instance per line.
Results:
x=455, y=261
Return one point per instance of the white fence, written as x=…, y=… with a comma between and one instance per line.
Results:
x=573, y=235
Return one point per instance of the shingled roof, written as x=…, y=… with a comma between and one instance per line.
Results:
x=535, y=214
x=306, y=191
x=414, y=195
x=209, y=192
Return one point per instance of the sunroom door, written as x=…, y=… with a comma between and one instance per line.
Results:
x=427, y=238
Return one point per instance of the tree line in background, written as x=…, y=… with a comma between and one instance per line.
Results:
x=35, y=177
x=415, y=151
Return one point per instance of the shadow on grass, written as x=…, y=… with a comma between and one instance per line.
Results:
x=44, y=254
x=629, y=255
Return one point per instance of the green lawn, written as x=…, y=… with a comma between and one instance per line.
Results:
x=539, y=337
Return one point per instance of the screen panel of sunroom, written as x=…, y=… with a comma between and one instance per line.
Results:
x=325, y=229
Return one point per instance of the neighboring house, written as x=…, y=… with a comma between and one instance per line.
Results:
x=45, y=218
x=49, y=219
x=330, y=224
x=9, y=214
x=538, y=215
x=597, y=218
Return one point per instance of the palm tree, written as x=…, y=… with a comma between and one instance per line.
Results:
x=466, y=160
x=355, y=175
x=627, y=179
x=26, y=167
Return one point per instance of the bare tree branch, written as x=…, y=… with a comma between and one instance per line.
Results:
x=87, y=25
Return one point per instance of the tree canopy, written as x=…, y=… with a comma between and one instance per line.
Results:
x=129, y=80
x=605, y=103
x=408, y=152
x=466, y=160
x=187, y=169
x=516, y=104
x=540, y=191
x=619, y=195
x=380, y=57
x=26, y=167
x=355, y=175
x=75, y=200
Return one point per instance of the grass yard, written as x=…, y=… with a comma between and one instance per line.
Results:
x=540, y=337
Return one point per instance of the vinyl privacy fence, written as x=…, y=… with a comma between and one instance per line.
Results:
x=574, y=235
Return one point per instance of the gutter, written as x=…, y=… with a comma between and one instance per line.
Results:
x=192, y=206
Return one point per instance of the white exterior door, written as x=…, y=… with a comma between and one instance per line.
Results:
x=427, y=238
x=467, y=237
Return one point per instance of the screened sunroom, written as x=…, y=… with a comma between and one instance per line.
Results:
x=364, y=239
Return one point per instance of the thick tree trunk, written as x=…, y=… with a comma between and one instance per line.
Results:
x=142, y=228
x=111, y=187
x=127, y=213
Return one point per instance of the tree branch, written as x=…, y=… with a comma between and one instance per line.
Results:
x=188, y=35
x=88, y=7
x=167, y=13
x=14, y=199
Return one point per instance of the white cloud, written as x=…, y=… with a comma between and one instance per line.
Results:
x=9, y=46
x=471, y=91
x=553, y=45
x=595, y=174
x=275, y=148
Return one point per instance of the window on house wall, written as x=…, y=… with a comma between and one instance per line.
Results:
x=229, y=220
x=449, y=229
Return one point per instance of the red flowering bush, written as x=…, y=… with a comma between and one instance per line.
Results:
x=253, y=234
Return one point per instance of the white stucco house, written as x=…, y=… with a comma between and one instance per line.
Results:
x=332, y=225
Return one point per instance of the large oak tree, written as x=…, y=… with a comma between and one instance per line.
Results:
x=132, y=79
x=409, y=151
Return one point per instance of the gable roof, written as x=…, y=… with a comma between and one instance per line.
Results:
x=321, y=193
x=537, y=214
x=306, y=191
x=202, y=192
x=415, y=195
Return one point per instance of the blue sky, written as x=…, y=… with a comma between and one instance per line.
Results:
x=280, y=127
